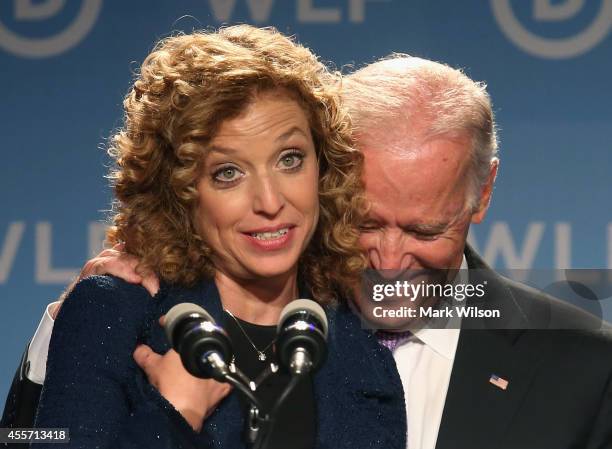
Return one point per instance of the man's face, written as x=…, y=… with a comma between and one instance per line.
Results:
x=419, y=214
x=419, y=217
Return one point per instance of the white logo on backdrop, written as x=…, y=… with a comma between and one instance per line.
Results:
x=306, y=10
x=549, y=11
x=28, y=10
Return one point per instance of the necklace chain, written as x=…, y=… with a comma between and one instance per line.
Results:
x=261, y=354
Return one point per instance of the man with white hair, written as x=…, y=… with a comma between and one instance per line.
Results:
x=428, y=137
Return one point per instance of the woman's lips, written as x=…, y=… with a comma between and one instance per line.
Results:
x=271, y=240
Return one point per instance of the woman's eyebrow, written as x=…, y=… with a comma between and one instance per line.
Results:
x=287, y=134
x=222, y=149
x=283, y=137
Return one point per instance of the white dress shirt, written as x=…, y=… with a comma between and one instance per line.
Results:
x=425, y=362
x=39, y=348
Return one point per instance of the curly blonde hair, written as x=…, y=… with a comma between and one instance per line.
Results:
x=186, y=87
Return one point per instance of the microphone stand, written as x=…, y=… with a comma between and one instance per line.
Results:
x=245, y=387
x=259, y=427
x=299, y=367
x=204, y=347
x=266, y=435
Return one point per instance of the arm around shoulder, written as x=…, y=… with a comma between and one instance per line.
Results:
x=24, y=394
x=90, y=386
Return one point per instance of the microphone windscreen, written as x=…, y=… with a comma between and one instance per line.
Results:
x=181, y=311
x=307, y=305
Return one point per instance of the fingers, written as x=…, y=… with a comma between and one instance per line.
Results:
x=223, y=390
x=193, y=397
x=162, y=320
x=123, y=267
x=218, y=391
x=113, y=262
x=117, y=263
x=151, y=283
x=146, y=359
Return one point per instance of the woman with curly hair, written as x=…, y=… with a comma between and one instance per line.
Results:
x=237, y=186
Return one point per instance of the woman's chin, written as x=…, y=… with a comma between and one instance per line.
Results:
x=263, y=266
x=266, y=271
x=271, y=264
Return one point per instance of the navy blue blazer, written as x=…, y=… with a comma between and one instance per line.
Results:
x=94, y=388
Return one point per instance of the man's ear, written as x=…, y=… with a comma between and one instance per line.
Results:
x=486, y=193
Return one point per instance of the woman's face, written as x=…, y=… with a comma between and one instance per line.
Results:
x=258, y=195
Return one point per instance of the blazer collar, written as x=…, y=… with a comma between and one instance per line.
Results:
x=514, y=320
x=477, y=413
x=359, y=382
x=358, y=391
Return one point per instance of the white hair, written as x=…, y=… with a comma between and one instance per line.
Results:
x=433, y=99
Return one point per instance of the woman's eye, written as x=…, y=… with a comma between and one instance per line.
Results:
x=227, y=174
x=290, y=161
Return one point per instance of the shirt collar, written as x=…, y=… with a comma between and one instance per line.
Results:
x=444, y=341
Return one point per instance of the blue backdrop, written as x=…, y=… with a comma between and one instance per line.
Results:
x=65, y=66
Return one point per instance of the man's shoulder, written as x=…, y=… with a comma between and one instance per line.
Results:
x=548, y=312
x=540, y=314
x=535, y=309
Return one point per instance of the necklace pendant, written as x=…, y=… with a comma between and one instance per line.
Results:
x=262, y=357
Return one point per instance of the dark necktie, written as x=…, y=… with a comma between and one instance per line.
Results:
x=392, y=340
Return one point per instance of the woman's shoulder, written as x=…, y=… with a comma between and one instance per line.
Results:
x=104, y=300
x=109, y=283
x=98, y=285
x=340, y=313
x=112, y=290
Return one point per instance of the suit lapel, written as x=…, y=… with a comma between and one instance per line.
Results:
x=477, y=413
x=360, y=398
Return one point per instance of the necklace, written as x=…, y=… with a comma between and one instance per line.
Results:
x=261, y=354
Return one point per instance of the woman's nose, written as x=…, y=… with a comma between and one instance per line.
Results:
x=268, y=198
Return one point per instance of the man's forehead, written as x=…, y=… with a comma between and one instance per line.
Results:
x=434, y=165
x=432, y=216
x=406, y=142
x=394, y=140
x=424, y=181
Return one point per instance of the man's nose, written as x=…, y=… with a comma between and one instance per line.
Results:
x=268, y=199
x=390, y=255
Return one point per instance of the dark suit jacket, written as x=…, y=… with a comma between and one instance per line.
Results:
x=94, y=388
x=22, y=400
x=559, y=393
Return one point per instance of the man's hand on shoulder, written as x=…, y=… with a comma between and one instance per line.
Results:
x=116, y=262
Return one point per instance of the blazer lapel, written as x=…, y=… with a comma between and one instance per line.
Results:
x=477, y=412
x=360, y=398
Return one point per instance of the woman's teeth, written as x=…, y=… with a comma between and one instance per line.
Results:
x=270, y=235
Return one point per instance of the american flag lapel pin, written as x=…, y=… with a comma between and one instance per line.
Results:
x=499, y=382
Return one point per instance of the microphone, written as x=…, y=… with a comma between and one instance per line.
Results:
x=301, y=342
x=203, y=346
